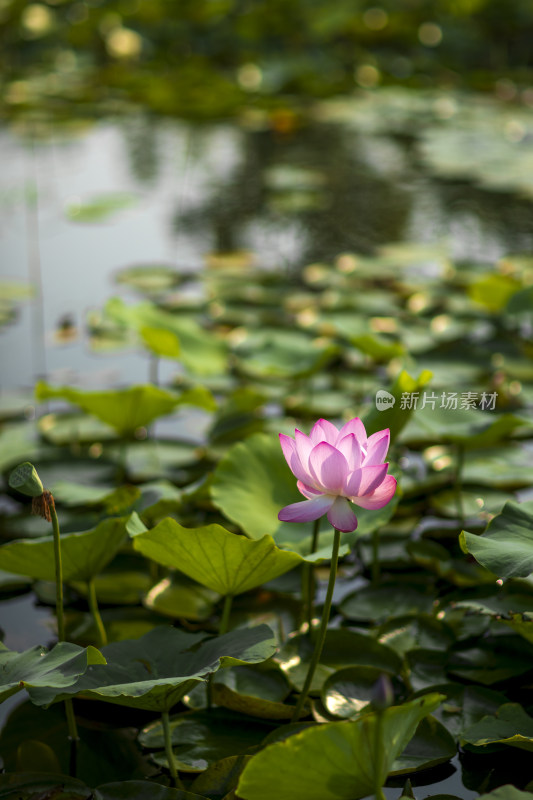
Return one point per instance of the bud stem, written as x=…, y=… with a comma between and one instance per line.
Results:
x=59, y=574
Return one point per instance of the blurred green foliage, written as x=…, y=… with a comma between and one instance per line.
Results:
x=205, y=58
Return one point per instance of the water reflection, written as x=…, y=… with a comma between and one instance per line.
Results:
x=292, y=196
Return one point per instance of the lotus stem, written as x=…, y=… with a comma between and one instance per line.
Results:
x=224, y=622
x=69, y=709
x=319, y=644
x=169, y=752
x=375, y=557
x=308, y=579
x=154, y=370
x=95, y=611
x=223, y=628
x=458, y=489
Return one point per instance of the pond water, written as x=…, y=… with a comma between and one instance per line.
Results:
x=84, y=200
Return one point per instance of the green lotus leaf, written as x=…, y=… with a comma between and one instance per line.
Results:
x=394, y=417
x=506, y=547
x=342, y=648
x=199, y=349
x=161, y=342
x=256, y=693
x=252, y=483
x=28, y=785
x=470, y=428
x=155, y=671
x=494, y=291
x=384, y=602
x=115, y=500
x=216, y=558
x=492, y=659
x=101, y=207
x=128, y=409
x=431, y=745
x=347, y=692
x=56, y=668
x=84, y=554
x=506, y=792
x=180, y=597
x=201, y=738
x=334, y=761
x=220, y=778
x=509, y=725
x=141, y=790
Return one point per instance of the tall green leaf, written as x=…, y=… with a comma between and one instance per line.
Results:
x=155, y=671
x=84, y=554
x=38, y=666
x=506, y=547
x=216, y=558
x=334, y=761
x=125, y=410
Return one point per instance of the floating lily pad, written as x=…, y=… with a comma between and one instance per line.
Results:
x=347, y=692
x=200, y=350
x=253, y=692
x=64, y=429
x=27, y=785
x=493, y=659
x=150, y=279
x=115, y=500
x=100, y=208
x=423, y=631
x=509, y=725
x=377, y=604
x=436, y=558
x=219, y=779
x=342, y=648
x=180, y=597
x=200, y=738
x=142, y=790
x=309, y=764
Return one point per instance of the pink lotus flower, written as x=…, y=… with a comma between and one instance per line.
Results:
x=333, y=467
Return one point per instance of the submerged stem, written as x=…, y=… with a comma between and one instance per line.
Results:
x=319, y=644
x=95, y=611
x=375, y=557
x=168, y=751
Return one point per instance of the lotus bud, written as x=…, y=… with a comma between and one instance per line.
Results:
x=382, y=693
